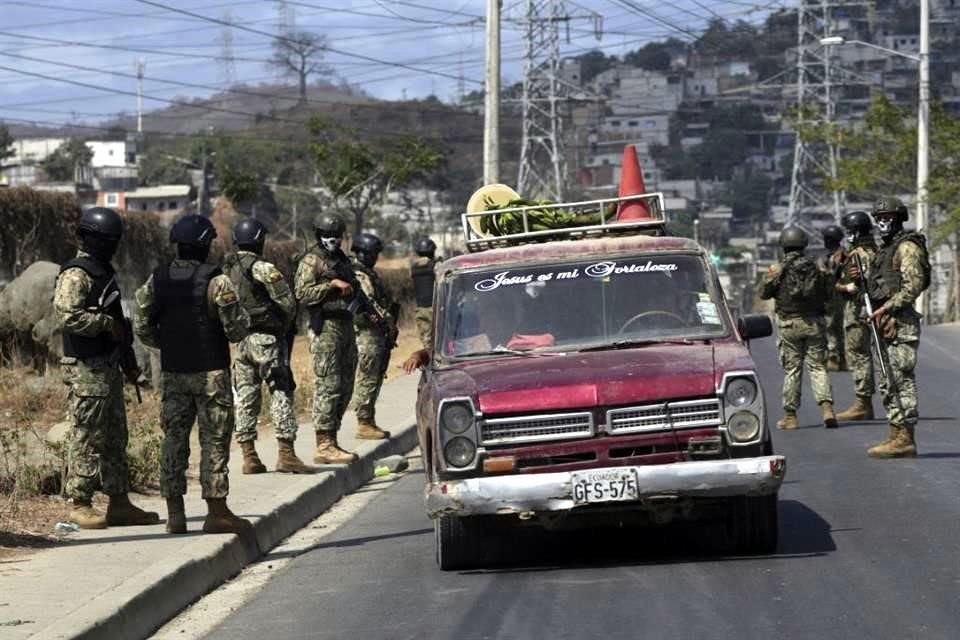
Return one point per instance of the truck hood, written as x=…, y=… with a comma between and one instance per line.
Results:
x=653, y=373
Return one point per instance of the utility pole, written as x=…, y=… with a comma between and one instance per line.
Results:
x=923, y=131
x=139, y=66
x=491, y=110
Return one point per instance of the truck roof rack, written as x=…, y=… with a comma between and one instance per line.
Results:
x=479, y=241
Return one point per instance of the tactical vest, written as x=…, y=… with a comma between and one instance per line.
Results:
x=885, y=277
x=330, y=267
x=801, y=291
x=265, y=315
x=101, y=345
x=191, y=341
x=423, y=279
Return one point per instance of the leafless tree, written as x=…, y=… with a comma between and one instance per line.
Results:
x=299, y=54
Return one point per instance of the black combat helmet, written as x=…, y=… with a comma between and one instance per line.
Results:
x=329, y=225
x=793, y=239
x=249, y=234
x=100, y=230
x=889, y=204
x=193, y=234
x=425, y=247
x=832, y=236
x=367, y=248
x=858, y=223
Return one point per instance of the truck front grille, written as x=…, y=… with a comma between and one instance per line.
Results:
x=682, y=414
x=558, y=426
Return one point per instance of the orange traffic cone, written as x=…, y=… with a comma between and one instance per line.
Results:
x=631, y=184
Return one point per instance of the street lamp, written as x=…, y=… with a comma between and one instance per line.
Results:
x=923, y=112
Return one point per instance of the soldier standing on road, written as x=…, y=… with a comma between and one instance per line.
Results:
x=422, y=272
x=376, y=336
x=832, y=264
x=860, y=243
x=87, y=304
x=898, y=274
x=264, y=355
x=325, y=284
x=799, y=290
x=190, y=311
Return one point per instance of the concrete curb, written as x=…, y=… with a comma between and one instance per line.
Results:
x=138, y=606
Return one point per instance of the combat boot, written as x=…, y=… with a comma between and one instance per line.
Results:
x=329, y=453
x=861, y=409
x=176, y=516
x=86, y=516
x=221, y=520
x=901, y=445
x=122, y=513
x=251, y=461
x=829, y=417
x=370, y=431
x=287, y=460
x=789, y=421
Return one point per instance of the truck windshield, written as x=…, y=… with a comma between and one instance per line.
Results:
x=580, y=305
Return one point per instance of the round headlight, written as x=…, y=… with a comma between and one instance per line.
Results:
x=743, y=426
x=457, y=418
x=459, y=452
x=741, y=392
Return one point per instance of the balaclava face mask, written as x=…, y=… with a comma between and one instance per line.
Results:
x=330, y=244
x=102, y=249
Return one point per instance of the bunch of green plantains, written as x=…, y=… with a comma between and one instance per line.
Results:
x=545, y=219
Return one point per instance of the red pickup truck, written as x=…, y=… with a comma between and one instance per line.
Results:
x=591, y=375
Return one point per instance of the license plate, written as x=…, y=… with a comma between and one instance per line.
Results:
x=609, y=485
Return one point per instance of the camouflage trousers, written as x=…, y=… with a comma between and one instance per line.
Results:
x=902, y=354
x=207, y=399
x=260, y=361
x=860, y=359
x=834, y=330
x=97, y=453
x=424, y=321
x=802, y=341
x=334, y=353
x=373, y=356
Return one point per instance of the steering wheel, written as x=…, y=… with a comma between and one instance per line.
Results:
x=650, y=313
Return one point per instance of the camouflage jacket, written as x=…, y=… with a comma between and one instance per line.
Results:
x=222, y=301
x=378, y=295
x=273, y=282
x=850, y=289
x=69, y=296
x=909, y=262
x=308, y=286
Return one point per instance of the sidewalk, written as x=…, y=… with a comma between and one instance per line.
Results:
x=125, y=582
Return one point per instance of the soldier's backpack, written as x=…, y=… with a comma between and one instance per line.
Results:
x=803, y=284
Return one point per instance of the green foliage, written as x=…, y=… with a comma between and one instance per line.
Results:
x=160, y=168
x=35, y=225
x=749, y=196
x=6, y=144
x=724, y=146
x=239, y=186
x=358, y=174
x=879, y=157
x=595, y=62
x=654, y=56
x=143, y=454
x=62, y=164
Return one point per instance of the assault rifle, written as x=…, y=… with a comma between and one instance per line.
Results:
x=361, y=303
x=883, y=356
x=123, y=355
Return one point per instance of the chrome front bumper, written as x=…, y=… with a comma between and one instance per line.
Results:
x=544, y=492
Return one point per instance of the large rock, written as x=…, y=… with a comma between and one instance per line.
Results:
x=28, y=299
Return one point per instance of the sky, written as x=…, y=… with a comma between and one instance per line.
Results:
x=390, y=49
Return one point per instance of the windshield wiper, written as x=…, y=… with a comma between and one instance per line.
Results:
x=629, y=344
x=499, y=351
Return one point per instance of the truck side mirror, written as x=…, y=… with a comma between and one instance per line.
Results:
x=755, y=325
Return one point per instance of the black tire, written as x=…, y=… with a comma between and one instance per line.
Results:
x=753, y=525
x=460, y=543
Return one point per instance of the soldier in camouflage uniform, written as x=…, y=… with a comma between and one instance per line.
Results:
x=859, y=233
x=190, y=311
x=96, y=337
x=799, y=289
x=422, y=271
x=325, y=284
x=832, y=265
x=264, y=355
x=376, y=335
x=898, y=274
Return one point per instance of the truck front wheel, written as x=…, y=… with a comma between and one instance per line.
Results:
x=460, y=543
x=753, y=524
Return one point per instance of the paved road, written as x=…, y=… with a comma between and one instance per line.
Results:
x=869, y=549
